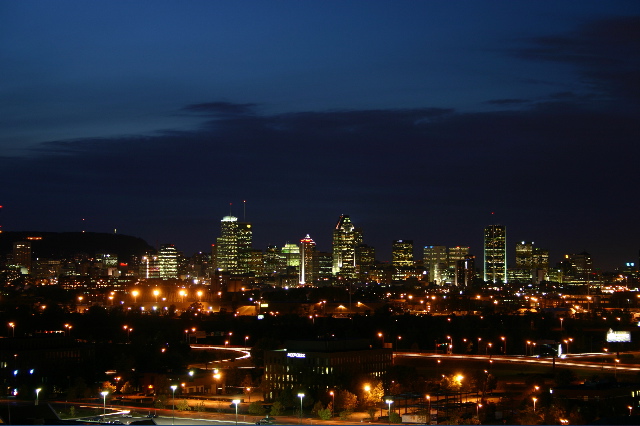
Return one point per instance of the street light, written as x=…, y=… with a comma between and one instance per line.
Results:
x=630, y=409
x=333, y=401
x=173, y=403
x=104, y=403
x=13, y=329
x=156, y=293
x=429, y=410
x=478, y=410
x=504, y=340
x=534, y=403
x=236, y=401
x=301, y=395
x=389, y=401
x=135, y=294
x=246, y=338
x=37, y=395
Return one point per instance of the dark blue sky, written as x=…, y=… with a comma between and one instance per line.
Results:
x=419, y=119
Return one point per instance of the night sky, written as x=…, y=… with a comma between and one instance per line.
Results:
x=423, y=120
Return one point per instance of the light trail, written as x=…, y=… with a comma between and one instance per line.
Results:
x=527, y=360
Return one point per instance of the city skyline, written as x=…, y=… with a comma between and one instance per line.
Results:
x=425, y=121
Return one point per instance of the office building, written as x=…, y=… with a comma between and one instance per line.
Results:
x=402, y=259
x=345, y=240
x=22, y=255
x=322, y=364
x=308, y=261
x=168, y=262
x=435, y=260
x=495, y=254
x=233, y=247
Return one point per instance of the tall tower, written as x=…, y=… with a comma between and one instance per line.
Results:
x=345, y=240
x=495, y=253
x=435, y=260
x=227, y=245
x=168, y=262
x=22, y=254
x=245, y=239
x=402, y=259
x=308, y=269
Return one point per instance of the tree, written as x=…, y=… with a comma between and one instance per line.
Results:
x=183, y=405
x=276, y=409
x=324, y=414
x=346, y=400
x=257, y=409
x=126, y=388
x=395, y=417
x=374, y=396
x=317, y=407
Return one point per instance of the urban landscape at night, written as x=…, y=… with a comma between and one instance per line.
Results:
x=330, y=213
x=445, y=336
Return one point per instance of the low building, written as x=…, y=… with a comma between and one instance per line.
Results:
x=322, y=364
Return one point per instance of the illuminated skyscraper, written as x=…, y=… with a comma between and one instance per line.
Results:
x=495, y=254
x=245, y=239
x=22, y=255
x=168, y=262
x=402, y=259
x=308, y=261
x=435, y=260
x=233, y=247
x=227, y=245
x=345, y=240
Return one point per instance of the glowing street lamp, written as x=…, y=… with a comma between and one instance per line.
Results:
x=301, y=395
x=389, y=401
x=504, y=341
x=135, y=294
x=429, y=410
x=104, y=403
x=333, y=401
x=236, y=402
x=173, y=403
x=246, y=338
x=38, y=395
x=534, y=403
x=13, y=329
x=478, y=410
x=156, y=292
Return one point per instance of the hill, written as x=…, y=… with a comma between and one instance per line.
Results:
x=56, y=245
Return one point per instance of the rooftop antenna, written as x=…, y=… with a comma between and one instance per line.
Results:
x=230, y=208
x=244, y=210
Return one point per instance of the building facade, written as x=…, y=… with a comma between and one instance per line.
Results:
x=495, y=254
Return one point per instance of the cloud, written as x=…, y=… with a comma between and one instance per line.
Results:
x=221, y=109
x=605, y=52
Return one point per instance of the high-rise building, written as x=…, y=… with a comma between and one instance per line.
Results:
x=495, y=254
x=168, y=262
x=290, y=254
x=465, y=271
x=345, y=240
x=402, y=259
x=233, y=247
x=22, y=255
x=435, y=261
x=245, y=239
x=149, y=267
x=308, y=261
x=273, y=262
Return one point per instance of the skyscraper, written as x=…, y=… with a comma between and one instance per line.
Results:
x=233, y=247
x=402, y=259
x=308, y=261
x=168, y=262
x=495, y=254
x=435, y=260
x=22, y=255
x=227, y=245
x=345, y=240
